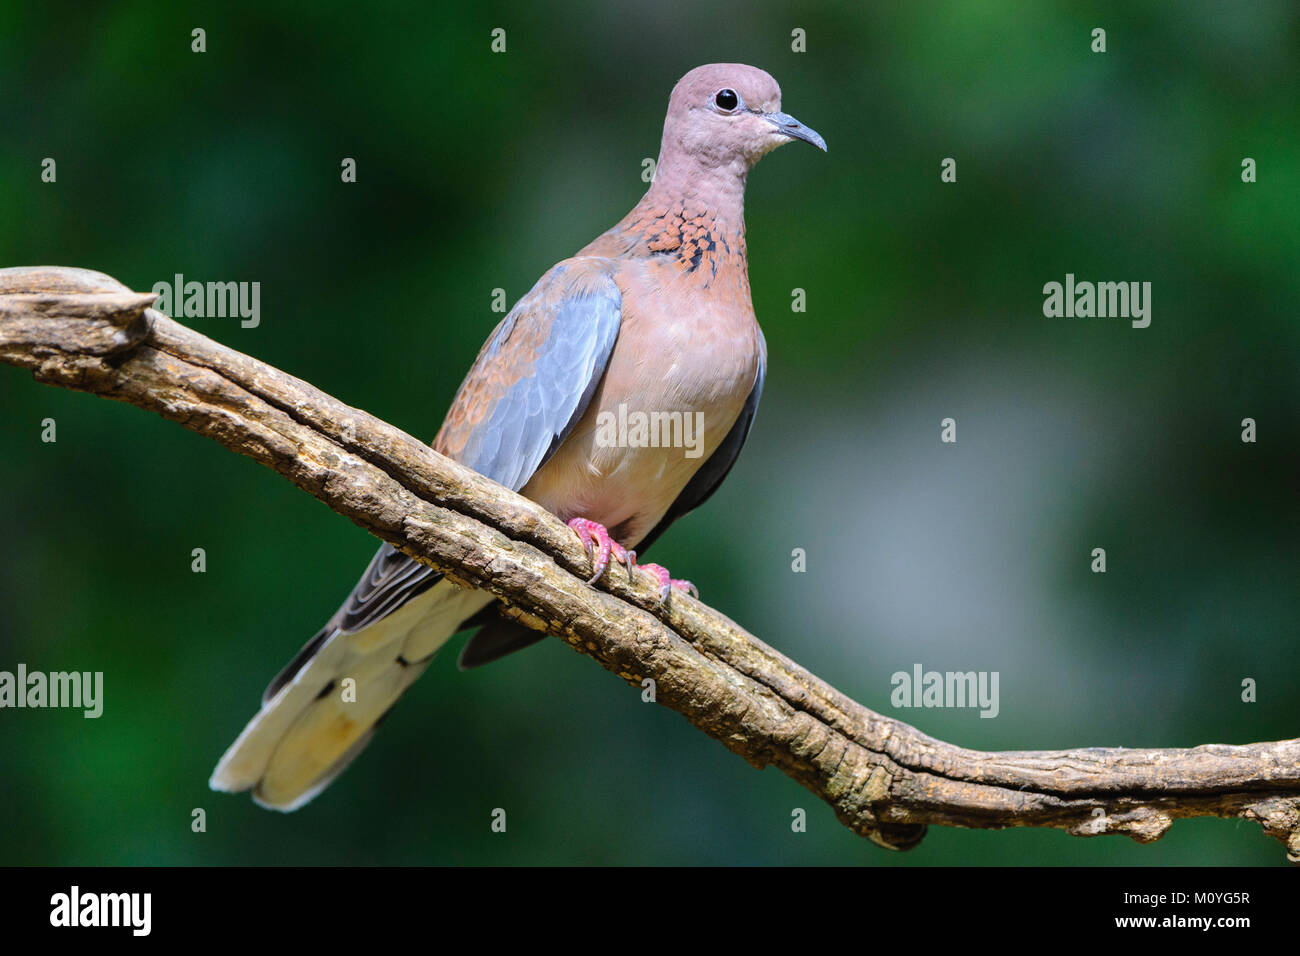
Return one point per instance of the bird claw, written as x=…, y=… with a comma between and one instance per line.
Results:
x=600, y=548
x=668, y=583
x=592, y=533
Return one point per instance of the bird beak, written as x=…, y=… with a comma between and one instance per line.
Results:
x=787, y=125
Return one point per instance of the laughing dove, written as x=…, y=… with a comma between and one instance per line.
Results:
x=616, y=394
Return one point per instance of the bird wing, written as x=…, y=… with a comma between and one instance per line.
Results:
x=531, y=383
x=536, y=375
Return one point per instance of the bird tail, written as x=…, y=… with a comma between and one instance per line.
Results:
x=322, y=710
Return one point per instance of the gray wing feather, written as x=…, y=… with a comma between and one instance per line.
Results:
x=525, y=427
x=537, y=413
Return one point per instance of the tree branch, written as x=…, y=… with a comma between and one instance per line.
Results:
x=884, y=779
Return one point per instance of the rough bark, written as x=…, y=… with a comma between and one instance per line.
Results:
x=884, y=779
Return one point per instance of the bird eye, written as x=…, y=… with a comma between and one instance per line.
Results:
x=726, y=100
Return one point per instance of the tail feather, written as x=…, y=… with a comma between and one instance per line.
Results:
x=325, y=739
x=314, y=724
x=322, y=782
x=495, y=640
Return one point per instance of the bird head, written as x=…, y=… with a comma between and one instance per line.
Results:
x=729, y=114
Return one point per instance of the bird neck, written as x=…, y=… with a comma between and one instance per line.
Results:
x=693, y=215
x=717, y=191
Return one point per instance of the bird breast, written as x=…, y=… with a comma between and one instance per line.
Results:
x=685, y=361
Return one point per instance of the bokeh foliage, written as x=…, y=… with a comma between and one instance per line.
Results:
x=477, y=171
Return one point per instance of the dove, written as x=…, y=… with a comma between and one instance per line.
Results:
x=617, y=394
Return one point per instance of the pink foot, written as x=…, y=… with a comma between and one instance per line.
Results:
x=591, y=533
x=667, y=582
x=600, y=547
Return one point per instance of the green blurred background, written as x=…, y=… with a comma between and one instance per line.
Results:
x=479, y=170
